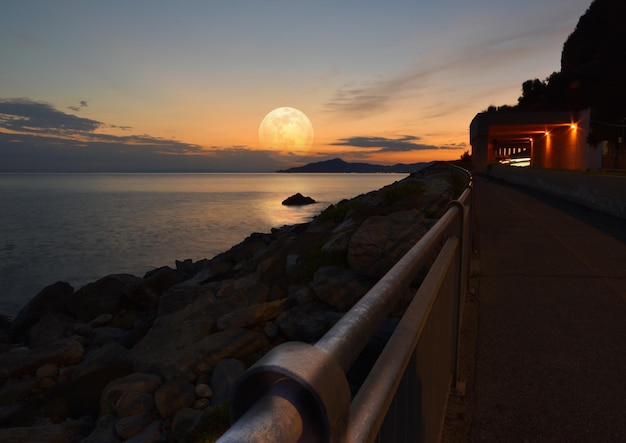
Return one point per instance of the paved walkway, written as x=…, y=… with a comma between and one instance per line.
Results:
x=550, y=361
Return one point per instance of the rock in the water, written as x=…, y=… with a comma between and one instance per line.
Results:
x=298, y=200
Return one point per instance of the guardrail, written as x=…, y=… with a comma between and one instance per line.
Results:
x=298, y=392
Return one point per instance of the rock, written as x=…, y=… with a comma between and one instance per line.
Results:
x=298, y=200
x=106, y=355
x=100, y=297
x=203, y=390
x=338, y=244
x=271, y=330
x=15, y=389
x=132, y=425
x=201, y=403
x=48, y=370
x=104, y=431
x=101, y=320
x=232, y=343
x=24, y=361
x=179, y=296
x=173, y=396
x=133, y=403
x=47, y=330
x=246, y=290
x=251, y=316
x=146, y=292
x=184, y=421
x=185, y=269
x=52, y=433
x=136, y=382
x=105, y=335
x=151, y=434
x=302, y=296
x=291, y=263
x=51, y=299
x=225, y=374
x=381, y=241
x=83, y=392
x=339, y=287
x=306, y=324
x=142, y=326
x=5, y=324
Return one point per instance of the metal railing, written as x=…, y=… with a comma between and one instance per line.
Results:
x=299, y=393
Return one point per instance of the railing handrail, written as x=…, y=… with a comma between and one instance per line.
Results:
x=311, y=378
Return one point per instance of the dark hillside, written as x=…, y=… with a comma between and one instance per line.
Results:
x=593, y=71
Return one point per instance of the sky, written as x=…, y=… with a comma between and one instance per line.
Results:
x=154, y=85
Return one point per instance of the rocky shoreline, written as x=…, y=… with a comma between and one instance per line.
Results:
x=152, y=358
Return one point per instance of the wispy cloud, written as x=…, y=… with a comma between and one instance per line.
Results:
x=406, y=143
x=463, y=60
x=77, y=108
x=27, y=116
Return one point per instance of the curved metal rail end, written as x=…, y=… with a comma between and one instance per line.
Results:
x=309, y=380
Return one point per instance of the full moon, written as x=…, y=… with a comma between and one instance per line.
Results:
x=286, y=129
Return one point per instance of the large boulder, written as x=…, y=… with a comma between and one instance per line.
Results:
x=25, y=361
x=51, y=300
x=147, y=291
x=100, y=297
x=339, y=287
x=382, y=240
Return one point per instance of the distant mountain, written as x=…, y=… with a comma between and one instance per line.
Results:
x=339, y=166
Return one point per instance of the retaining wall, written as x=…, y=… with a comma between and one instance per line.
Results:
x=604, y=193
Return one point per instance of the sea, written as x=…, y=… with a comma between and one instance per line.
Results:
x=78, y=228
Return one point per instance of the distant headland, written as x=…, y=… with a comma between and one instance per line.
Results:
x=340, y=166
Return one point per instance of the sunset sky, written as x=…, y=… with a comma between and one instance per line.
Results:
x=163, y=85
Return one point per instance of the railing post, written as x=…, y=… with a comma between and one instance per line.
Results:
x=464, y=204
x=299, y=385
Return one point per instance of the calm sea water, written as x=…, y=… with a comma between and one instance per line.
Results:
x=80, y=227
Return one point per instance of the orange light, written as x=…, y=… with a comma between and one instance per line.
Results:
x=547, y=133
x=573, y=126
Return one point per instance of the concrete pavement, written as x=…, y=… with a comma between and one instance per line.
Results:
x=550, y=358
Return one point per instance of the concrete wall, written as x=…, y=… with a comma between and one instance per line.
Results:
x=603, y=193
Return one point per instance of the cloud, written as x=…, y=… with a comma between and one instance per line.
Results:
x=503, y=47
x=81, y=104
x=371, y=98
x=405, y=143
x=27, y=116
